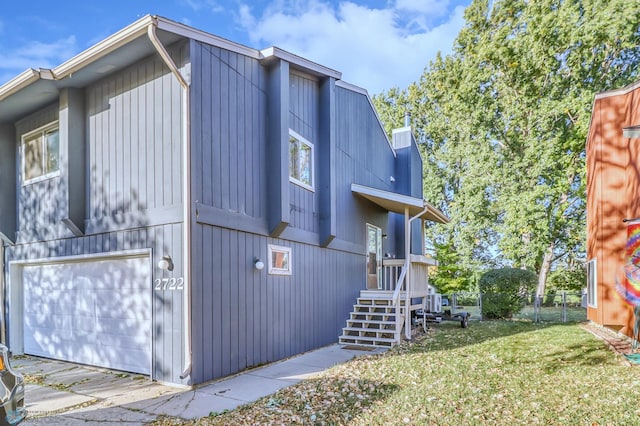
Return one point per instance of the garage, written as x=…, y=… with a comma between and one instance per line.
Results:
x=94, y=311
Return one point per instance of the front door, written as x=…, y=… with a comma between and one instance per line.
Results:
x=374, y=257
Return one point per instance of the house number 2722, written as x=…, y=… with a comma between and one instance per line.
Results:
x=168, y=283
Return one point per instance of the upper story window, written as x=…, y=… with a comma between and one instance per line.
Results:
x=41, y=154
x=300, y=161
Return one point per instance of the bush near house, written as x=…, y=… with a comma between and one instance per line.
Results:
x=504, y=291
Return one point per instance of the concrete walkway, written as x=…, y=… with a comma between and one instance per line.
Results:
x=70, y=394
x=617, y=342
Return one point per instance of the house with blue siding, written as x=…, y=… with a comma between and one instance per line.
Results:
x=181, y=206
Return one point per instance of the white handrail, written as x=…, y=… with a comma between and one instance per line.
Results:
x=391, y=270
x=396, y=300
x=396, y=293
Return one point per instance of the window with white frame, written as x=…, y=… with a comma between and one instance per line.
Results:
x=279, y=260
x=41, y=153
x=300, y=160
x=592, y=283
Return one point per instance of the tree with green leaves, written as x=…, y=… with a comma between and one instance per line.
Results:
x=451, y=275
x=502, y=123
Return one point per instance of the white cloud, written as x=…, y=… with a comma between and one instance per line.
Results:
x=36, y=54
x=198, y=5
x=434, y=7
x=373, y=48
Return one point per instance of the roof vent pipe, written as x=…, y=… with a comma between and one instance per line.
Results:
x=407, y=119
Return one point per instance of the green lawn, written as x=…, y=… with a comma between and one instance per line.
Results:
x=493, y=373
x=553, y=314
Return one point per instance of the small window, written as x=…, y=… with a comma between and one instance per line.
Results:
x=300, y=161
x=592, y=283
x=279, y=260
x=41, y=154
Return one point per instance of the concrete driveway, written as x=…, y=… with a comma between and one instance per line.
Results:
x=69, y=394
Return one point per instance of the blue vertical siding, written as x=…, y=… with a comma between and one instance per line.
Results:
x=134, y=128
x=304, y=118
x=245, y=317
x=8, y=179
x=41, y=205
x=229, y=130
x=363, y=156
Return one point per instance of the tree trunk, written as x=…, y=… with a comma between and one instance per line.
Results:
x=544, y=270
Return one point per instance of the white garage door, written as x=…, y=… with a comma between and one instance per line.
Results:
x=94, y=312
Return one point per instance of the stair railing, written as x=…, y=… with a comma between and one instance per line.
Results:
x=391, y=270
x=414, y=281
x=402, y=280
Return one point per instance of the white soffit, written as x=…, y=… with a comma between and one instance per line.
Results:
x=17, y=83
x=397, y=203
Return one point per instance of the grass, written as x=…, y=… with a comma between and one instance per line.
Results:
x=494, y=372
x=553, y=314
x=546, y=314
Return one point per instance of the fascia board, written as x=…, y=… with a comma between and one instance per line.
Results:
x=204, y=37
x=442, y=218
x=18, y=83
x=307, y=65
x=352, y=87
x=103, y=48
x=621, y=91
x=81, y=60
x=115, y=41
x=399, y=200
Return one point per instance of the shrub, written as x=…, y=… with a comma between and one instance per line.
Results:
x=504, y=291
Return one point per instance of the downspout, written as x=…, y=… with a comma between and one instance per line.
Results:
x=186, y=189
x=407, y=266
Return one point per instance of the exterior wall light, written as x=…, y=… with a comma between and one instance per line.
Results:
x=259, y=264
x=166, y=263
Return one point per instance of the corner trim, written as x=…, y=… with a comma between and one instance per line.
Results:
x=75, y=229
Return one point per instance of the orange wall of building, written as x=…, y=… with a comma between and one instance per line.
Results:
x=613, y=194
x=594, y=191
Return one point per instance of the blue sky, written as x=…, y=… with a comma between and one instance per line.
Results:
x=376, y=44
